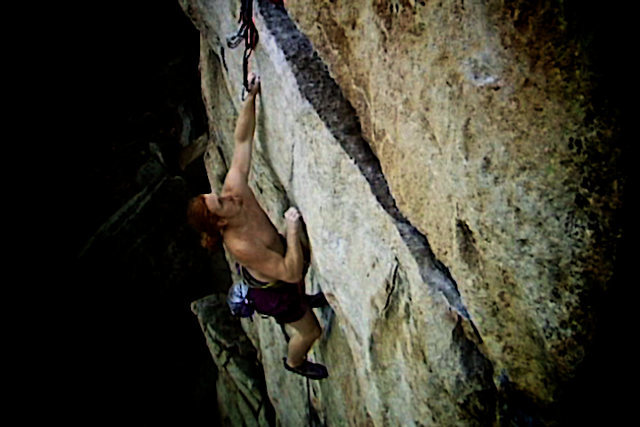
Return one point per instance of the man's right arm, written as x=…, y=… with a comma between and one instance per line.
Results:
x=288, y=268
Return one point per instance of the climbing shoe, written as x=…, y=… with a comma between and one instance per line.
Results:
x=317, y=300
x=314, y=371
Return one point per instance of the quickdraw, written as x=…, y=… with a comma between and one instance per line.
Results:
x=247, y=31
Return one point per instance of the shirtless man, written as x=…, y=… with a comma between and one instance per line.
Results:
x=271, y=264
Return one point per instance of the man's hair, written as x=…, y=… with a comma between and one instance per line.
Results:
x=203, y=220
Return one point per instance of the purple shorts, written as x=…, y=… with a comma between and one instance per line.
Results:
x=284, y=303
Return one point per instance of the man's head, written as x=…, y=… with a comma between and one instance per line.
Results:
x=206, y=222
x=210, y=214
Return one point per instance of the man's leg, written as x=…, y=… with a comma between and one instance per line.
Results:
x=308, y=330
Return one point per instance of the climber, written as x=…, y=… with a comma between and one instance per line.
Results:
x=272, y=265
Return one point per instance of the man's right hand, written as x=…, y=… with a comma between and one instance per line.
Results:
x=292, y=218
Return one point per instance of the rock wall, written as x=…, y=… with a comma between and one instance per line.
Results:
x=457, y=169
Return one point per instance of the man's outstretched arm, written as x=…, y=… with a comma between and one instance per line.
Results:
x=243, y=135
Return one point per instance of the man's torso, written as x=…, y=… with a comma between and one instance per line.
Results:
x=257, y=230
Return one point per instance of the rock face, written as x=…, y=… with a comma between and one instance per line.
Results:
x=457, y=168
x=242, y=396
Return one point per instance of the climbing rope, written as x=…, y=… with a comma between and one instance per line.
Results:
x=248, y=32
x=308, y=401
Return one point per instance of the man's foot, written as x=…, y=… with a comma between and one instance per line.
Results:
x=317, y=300
x=315, y=371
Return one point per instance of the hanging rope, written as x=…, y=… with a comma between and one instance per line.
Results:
x=248, y=32
x=309, y=402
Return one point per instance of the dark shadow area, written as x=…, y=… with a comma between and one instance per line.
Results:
x=141, y=83
x=137, y=351
x=599, y=394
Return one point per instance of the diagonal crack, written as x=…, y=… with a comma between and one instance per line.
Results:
x=324, y=94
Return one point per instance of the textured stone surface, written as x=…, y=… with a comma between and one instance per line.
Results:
x=471, y=298
x=484, y=120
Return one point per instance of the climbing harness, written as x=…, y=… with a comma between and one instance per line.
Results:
x=248, y=32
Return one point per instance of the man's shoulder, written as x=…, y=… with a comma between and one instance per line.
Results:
x=242, y=248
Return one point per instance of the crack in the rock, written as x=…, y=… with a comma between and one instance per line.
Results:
x=392, y=285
